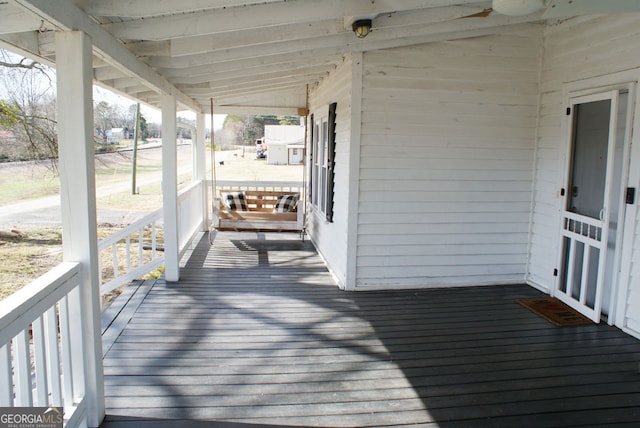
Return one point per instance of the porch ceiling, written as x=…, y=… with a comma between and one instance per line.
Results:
x=245, y=55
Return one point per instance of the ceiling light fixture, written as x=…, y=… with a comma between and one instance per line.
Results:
x=361, y=27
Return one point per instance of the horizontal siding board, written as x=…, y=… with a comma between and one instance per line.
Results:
x=427, y=261
x=448, y=207
x=477, y=98
x=442, y=273
x=488, y=164
x=443, y=174
x=444, y=228
x=443, y=249
x=451, y=218
x=444, y=186
x=502, y=141
x=427, y=239
x=398, y=150
x=439, y=196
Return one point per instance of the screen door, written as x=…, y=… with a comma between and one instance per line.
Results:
x=587, y=202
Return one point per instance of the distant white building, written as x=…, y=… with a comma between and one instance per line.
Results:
x=114, y=135
x=282, y=141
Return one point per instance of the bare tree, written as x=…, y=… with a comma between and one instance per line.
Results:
x=28, y=107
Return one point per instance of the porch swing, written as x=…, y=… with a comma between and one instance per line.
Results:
x=254, y=210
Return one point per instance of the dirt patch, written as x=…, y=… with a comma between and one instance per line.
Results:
x=27, y=256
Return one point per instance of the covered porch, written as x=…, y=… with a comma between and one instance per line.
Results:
x=256, y=333
x=438, y=157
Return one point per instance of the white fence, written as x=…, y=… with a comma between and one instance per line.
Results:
x=41, y=345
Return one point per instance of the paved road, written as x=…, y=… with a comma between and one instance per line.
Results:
x=46, y=211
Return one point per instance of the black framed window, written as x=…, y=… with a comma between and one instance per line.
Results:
x=322, y=160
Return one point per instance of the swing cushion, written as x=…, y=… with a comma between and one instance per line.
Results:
x=286, y=204
x=235, y=201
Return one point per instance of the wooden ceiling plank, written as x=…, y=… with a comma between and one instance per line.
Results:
x=145, y=8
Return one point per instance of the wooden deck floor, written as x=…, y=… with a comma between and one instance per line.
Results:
x=257, y=334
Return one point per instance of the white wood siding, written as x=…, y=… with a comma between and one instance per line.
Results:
x=330, y=239
x=632, y=315
x=447, y=153
x=574, y=50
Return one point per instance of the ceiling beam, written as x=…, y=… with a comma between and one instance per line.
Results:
x=248, y=91
x=243, y=64
x=285, y=96
x=256, y=110
x=261, y=83
x=289, y=68
x=66, y=16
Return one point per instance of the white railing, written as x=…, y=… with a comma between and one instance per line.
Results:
x=138, y=248
x=41, y=345
x=41, y=325
x=190, y=215
x=131, y=252
x=276, y=186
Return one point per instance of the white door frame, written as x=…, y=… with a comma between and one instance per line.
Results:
x=623, y=81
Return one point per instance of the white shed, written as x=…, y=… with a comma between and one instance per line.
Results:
x=278, y=139
x=277, y=153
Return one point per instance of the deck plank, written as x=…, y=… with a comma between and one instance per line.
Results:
x=257, y=334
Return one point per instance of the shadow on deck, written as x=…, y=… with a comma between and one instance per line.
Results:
x=256, y=334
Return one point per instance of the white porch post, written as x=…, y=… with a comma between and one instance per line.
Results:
x=170, y=188
x=200, y=167
x=78, y=200
x=354, y=169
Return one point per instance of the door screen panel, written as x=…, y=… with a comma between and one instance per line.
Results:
x=589, y=166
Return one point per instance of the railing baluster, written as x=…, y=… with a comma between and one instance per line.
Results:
x=6, y=381
x=114, y=256
x=128, y=252
x=40, y=364
x=153, y=240
x=77, y=348
x=53, y=356
x=22, y=370
x=65, y=350
x=140, y=246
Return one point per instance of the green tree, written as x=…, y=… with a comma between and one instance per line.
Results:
x=8, y=114
x=249, y=128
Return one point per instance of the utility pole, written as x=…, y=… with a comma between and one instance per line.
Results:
x=134, y=158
